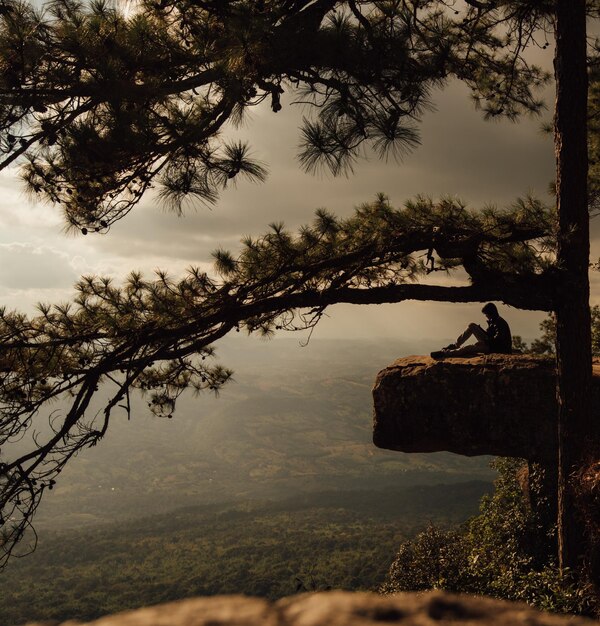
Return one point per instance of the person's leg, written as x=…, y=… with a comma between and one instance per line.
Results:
x=458, y=350
x=473, y=330
x=473, y=349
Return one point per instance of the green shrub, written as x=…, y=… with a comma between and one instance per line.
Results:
x=506, y=552
x=434, y=559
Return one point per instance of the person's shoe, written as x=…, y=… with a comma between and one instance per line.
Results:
x=444, y=352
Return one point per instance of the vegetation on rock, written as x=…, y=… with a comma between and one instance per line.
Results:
x=507, y=551
x=546, y=342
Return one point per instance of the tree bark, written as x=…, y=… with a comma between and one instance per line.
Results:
x=576, y=432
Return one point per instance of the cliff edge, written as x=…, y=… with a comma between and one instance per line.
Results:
x=502, y=405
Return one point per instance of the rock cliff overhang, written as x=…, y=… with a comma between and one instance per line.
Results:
x=503, y=405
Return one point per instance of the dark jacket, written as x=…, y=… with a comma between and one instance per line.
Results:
x=500, y=339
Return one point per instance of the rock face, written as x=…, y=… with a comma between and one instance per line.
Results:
x=340, y=608
x=503, y=405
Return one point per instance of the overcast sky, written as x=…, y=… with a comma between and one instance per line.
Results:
x=482, y=162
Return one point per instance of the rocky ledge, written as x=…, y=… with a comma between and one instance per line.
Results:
x=503, y=405
x=340, y=608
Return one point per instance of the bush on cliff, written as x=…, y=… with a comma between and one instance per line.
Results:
x=506, y=552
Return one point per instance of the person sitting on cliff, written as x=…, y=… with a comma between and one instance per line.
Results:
x=495, y=339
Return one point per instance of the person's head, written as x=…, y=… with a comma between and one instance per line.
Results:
x=490, y=311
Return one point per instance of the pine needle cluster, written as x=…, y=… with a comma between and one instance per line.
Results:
x=98, y=105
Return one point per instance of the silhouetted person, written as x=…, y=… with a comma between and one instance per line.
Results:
x=496, y=338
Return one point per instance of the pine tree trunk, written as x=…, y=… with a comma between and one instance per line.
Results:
x=576, y=434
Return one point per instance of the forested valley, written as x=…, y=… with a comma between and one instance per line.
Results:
x=201, y=504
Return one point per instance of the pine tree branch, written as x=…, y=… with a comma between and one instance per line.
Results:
x=105, y=90
x=155, y=337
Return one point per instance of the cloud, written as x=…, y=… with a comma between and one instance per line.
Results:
x=461, y=155
x=17, y=212
x=27, y=266
x=26, y=300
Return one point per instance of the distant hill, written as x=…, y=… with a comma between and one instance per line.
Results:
x=296, y=420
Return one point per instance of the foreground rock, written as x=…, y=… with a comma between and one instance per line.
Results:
x=339, y=608
x=503, y=405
